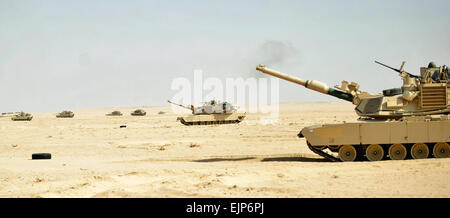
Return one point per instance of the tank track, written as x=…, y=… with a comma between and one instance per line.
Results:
x=209, y=122
x=64, y=116
x=322, y=153
x=21, y=119
x=361, y=157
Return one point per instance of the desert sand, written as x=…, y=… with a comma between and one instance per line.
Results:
x=156, y=156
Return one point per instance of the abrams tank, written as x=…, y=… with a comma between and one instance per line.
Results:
x=138, y=112
x=65, y=114
x=115, y=113
x=412, y=121
x=212, y=112
x=22, y=117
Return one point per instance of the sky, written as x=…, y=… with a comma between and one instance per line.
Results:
x=69, y=55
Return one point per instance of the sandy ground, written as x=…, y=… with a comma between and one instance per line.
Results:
x=156, y=156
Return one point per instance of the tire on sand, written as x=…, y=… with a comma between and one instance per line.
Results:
x=41, y=156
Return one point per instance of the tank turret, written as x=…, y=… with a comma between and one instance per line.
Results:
x=210, y=107
x=419, y=95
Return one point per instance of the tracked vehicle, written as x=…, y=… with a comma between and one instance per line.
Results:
x=65, y=114
x=412, y=121
x=115, y=113
x=212, y=112
x=138, y=112
x=22, y=117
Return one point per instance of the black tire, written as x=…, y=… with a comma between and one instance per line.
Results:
x=392, y=92
x=38, y=156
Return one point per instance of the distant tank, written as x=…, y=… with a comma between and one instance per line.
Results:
x=22, y=117
x=138, y=112
x=65, y=114
x=408, y=122
x=115, y=113
x=212, y=112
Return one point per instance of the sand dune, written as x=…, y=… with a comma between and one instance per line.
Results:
x=156, y=156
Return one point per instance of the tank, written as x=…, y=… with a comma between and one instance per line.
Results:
x=211, y=112
x=22, y=117
x=138, y=112
x=409, y=122
x=65, y=114
x=115, y=113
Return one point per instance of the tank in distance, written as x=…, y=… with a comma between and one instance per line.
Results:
x=211, y=112
x=65, y=114
x=22, y=116
x=138, y=112
x=115, y=113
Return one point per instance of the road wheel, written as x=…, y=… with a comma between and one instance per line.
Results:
x=374, y=152
x=347, y=153
x=441, y=150
x=397, y=152
x=333, y=148
x=321, y=147
x=419, y=151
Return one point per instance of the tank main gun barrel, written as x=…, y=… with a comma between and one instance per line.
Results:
x=190, y=108
x=310, y=84
x=280, y=75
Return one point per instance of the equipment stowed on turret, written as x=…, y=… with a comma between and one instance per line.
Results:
x=408, y=122
x=212, y=112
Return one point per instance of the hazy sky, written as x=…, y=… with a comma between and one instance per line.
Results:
x=57, y=55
